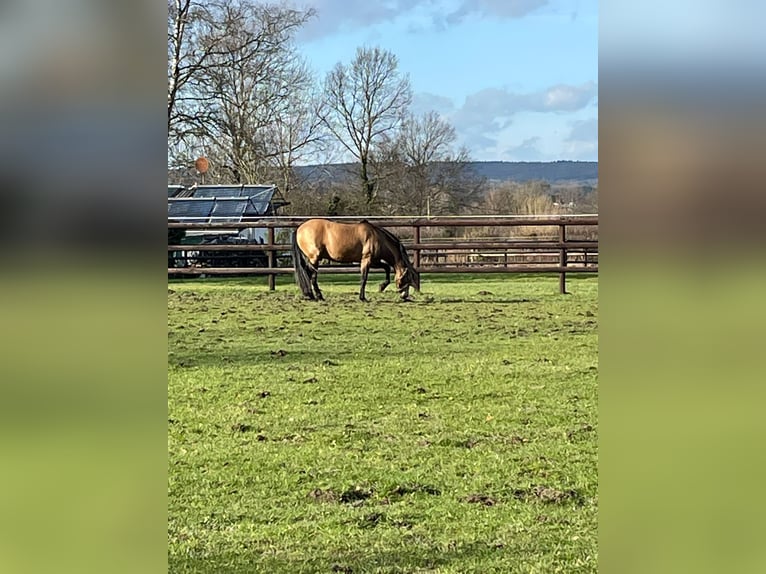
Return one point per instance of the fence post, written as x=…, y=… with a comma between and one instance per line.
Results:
x=562, y=259
x=416, y=235
x=270, y=243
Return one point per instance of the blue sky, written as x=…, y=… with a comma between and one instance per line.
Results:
x=517, y=78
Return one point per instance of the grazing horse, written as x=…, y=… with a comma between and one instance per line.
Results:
x=363, y=243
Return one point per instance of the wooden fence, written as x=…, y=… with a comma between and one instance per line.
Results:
x=509, y=244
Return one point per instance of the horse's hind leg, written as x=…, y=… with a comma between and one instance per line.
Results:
x=314, y=273
x=385, y=267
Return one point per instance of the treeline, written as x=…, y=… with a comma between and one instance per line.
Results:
x=241, y=95
x=554, y=171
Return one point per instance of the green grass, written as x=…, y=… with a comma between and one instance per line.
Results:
x=456, y=433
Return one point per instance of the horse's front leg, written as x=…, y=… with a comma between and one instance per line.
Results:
x=365, y=269
x=383, y=265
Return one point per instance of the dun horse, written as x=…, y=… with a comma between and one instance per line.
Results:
x=362, y=243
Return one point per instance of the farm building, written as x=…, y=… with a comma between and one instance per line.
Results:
x=221, y=203
x=175, y=190
x=206, y=203
x=224, y=203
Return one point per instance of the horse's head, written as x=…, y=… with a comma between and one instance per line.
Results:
x=407, y=277
x=405, y=274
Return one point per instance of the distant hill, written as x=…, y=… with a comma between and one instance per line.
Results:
x=554, y=172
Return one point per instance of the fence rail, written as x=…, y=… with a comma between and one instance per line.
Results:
x=559, y=252
x=446, y=221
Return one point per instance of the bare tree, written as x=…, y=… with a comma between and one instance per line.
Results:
x=424, y=175
x=256, y=71
x=363, y=102
x=296, y=130
x=526, y=198
x=178, y=19
x=189, y=21
x=237, y=87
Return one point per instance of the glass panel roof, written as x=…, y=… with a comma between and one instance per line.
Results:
x=229, y=203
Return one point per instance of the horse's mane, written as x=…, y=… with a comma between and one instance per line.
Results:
x=395, y=240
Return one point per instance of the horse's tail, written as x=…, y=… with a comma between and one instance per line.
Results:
x=301, y=266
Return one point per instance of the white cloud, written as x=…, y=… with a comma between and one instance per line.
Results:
x=582, y=141
x=578, y=150
x=484, y=119
x=584, y=131
x=526, y=151
x=343, y=15
x=425, y=102
x=567, y=98
x=337, y=15
x=490, y=110
x=505, y=9
x=560, y=98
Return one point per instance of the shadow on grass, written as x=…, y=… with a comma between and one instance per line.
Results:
x=484, y=301
x=344, y=301
x=358, y=561
x=193, y=356
x=215, y=357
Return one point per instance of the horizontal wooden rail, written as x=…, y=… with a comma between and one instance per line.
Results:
x=229, y=247
x=338, y=270
x=463, y=246
x=458, y=221
x=551, y=253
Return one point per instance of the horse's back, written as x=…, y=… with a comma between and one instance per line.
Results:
x=311, y=230
x=344, y=242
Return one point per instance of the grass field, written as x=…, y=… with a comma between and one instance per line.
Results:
x=456, y=433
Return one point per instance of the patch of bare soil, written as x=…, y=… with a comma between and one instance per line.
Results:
x=482, y=499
